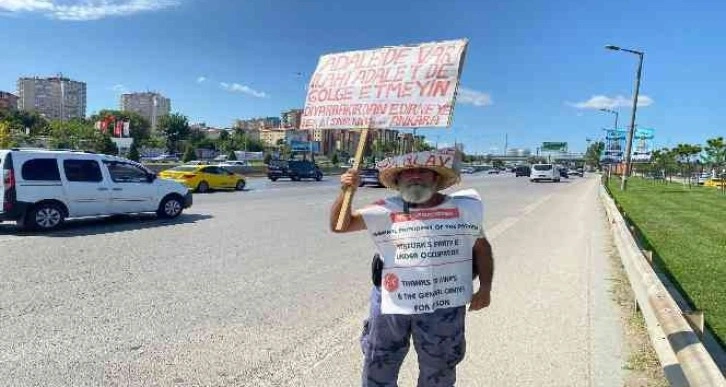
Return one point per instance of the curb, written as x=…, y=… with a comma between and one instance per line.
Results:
x=684, y=359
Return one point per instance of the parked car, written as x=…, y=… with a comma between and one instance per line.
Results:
x=165, y=158
x=202, y=178
x=493, y=171
x=468, y=170
x=234, y=163
x=714, y=182
x=40, y=189
x=522, y=170
x=295, y=170
x=702, y=178
x=369, y=176
x=544, y=172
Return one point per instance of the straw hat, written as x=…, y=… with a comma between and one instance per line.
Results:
x=445, y=163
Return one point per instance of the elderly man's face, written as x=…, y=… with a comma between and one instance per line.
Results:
x=417, y=185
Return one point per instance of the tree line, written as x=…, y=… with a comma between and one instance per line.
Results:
x=174, y=134
x=684, y=159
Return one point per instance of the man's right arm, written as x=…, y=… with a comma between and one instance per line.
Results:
x=353, y=221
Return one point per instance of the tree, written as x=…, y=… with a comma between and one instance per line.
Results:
x=134, y=152
x=74, y=134
x=335, y=159
x=5, y=137
x=716, y=157
x=232, y=156
x=424, y=146
x=594, y=153
x=685, y=154
x=665, y=162
x=189, y=153
x=498, y=163
x=174, y=128
x=104, y=144
x=20, y=120
x=196, y=137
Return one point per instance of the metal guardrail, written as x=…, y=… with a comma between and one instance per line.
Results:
x=697, y=367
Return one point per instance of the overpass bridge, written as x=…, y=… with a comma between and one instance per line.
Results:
x=560, y=158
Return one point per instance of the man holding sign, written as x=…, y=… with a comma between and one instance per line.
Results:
x=431, y=247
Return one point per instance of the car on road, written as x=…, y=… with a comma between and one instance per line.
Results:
x=40, y=189
x=575, y=172
x=203, y=178
x=369, y=176
x=295, y=170
x=544, y=172
x=522, y=170
x=563, y=172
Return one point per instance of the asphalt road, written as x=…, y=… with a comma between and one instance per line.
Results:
x=251, y=289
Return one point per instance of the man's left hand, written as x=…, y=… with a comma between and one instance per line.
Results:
x=480, y=300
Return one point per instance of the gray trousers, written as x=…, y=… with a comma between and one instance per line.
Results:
x=438, y=338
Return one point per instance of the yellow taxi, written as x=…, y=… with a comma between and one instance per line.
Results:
x=202, y=178
x=716, y=183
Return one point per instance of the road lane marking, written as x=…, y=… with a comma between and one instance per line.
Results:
x=527, y=210
x=501, y=227
x=506, y=223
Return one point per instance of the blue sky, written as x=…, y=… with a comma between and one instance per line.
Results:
x=531, y=71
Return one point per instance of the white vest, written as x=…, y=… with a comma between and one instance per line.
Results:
x=427, y=254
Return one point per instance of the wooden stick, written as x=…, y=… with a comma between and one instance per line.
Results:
x=348, y=195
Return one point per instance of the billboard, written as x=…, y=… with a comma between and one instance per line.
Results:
x=247, y=156
x=390, y=87
x=305, y=146
x=554, y=147
x=642, y=144
x=614, y=146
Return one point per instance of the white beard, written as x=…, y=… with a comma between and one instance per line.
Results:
x=417, y=193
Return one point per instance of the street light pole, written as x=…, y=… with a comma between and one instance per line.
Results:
x=631, y=131
x=614, y=112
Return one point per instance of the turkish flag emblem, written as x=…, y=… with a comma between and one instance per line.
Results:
x=390, y=282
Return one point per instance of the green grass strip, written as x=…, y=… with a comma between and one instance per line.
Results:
x=686, y=229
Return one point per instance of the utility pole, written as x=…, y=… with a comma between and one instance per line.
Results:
x=631, y=131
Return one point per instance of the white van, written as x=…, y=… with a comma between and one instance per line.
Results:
x=40, y=188
x=544, y=172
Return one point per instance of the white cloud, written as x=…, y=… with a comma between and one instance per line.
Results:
x=605, y=102
x=82, y=10
x=237, y=88
x=119, y=88
x=201, y=79
x=473, y=97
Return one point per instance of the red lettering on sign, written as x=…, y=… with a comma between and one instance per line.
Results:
x=440, y=88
